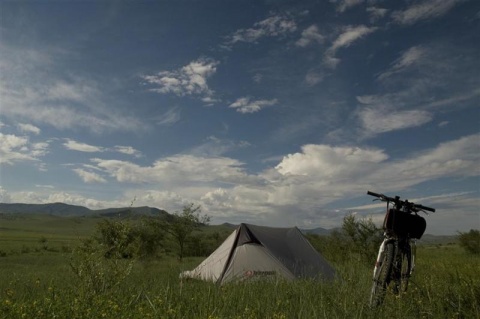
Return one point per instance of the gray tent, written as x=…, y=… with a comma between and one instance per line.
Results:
x=253, y=252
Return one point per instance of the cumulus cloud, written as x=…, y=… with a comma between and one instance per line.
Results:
x=310, y=35
x=345, y=170
x=247, y=105
x=190, y=79
x=348, y=36
x=376, y=120
x=178, y=169
x=82, y=147
x=28, y=128
x=324, y=161
x=274, y=26
x=304, y=182
x=15, y=148
x=89, y=177
x=427, y=9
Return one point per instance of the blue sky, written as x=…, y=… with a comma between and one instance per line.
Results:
x=276, y=113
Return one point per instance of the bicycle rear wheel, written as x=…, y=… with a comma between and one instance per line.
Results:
x=402, y=270
x=382, y=278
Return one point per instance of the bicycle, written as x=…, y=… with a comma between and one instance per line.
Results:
x=396, y=255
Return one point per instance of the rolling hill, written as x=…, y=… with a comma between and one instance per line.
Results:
x=64, y=210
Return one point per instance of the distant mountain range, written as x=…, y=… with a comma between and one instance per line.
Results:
x=62, y=209
x=67, y=210
x=316, y=231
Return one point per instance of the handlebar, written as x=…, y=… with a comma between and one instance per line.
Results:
x=400, y=203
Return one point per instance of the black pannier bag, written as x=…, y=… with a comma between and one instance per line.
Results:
x=405, y=224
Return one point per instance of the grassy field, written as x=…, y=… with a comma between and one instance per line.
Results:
x=38, y=282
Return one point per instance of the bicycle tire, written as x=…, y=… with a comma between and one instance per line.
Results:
x=383, y=277
x=404, y=266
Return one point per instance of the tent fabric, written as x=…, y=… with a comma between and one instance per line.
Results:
x=257, y=252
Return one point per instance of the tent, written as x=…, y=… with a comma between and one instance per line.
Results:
x=253, y=252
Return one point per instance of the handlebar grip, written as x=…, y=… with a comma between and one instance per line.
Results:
x=373, y=194
x=426, y=208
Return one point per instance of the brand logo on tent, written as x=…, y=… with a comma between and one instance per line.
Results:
x=251, y=273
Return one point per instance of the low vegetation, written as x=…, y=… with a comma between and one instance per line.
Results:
x=470, y=241
x=118, y=268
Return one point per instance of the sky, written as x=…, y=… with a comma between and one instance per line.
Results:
x=279, y=113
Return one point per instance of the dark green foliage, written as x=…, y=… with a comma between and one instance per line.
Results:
x=151, y=234
x=96, y=274
x=470, y=241
x=358, y=239
x=129, y=239
x=118, y=237
x=202, y=245
x=183, y=224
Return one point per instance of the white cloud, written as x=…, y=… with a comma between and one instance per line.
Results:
x=246, y=105
x=324, y=161
x=376, y=13
x=178, y=170
x=33, y=90
x=345, y=39
x=4, y=196
x=303, y=182
x=128, y=150
x=18, y=148
x=314, y=77
x=273, y=26
x=39, y=149
x=345, y=170
x=191, y=79
x=170, y=117
x=410, y=57
x=427, y=9
x=81, y=147
x=310, y=35
x=343, y=5
x=28, y=128
x=214, y=146
x=375, y=120
x=307, y=181
x=350, y=35
x=89, y=177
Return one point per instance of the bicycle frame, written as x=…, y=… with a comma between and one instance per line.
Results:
x=396, y=255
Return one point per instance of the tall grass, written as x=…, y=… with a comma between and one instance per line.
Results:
x=445, y=285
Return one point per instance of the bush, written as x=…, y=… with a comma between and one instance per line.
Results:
x=470, y=241
x=358, y=239
x=95, y=273
x=118, y=237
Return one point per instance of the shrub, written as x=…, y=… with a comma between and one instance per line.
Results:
x=357, y=239
x=95, y=273
x=118, y=237
x=470, y=241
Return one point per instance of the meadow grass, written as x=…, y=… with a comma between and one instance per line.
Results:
x=41, y=285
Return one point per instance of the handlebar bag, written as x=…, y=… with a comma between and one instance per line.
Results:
x=404, y=224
